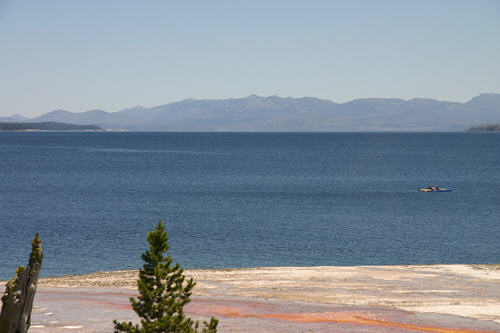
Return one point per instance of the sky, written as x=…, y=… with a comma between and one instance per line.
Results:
x=115, y=54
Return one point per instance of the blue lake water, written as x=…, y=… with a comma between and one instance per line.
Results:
x=249, y=199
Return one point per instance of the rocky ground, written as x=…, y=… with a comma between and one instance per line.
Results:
x=434, y=298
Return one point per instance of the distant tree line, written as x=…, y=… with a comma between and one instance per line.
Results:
x=485, y=127
x=46, y=126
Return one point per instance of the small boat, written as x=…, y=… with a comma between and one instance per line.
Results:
x=434, y=190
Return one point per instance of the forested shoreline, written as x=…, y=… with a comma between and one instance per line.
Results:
x=485, y=128
x=46, y=126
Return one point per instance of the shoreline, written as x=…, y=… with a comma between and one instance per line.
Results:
x=430, y=298
x=466, y=290
x=99, y=279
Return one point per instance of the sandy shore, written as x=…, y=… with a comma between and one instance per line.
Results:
x=463, y=297
x=465, y=290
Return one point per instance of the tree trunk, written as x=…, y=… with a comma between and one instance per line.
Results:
x=17, y=301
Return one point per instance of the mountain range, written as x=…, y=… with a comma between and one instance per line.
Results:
x=256, y=113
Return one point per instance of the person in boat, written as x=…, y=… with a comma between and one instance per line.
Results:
x=432, y=188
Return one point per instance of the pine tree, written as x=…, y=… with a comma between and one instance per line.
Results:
x=163, y=292
x=17, y=301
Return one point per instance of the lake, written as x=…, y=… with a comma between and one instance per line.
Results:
x=248, y=199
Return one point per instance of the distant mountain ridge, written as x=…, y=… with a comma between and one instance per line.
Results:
x=256, y=113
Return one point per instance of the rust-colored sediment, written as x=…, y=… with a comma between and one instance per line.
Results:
x=364, y=298
x=341, y=317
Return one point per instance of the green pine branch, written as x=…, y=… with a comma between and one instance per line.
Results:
x=163, y=292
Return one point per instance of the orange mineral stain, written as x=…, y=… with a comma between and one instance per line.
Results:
x=341, y=317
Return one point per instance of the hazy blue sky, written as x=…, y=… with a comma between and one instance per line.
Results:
x=80, y=55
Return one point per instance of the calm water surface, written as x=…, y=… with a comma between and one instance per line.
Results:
x=238, y=200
